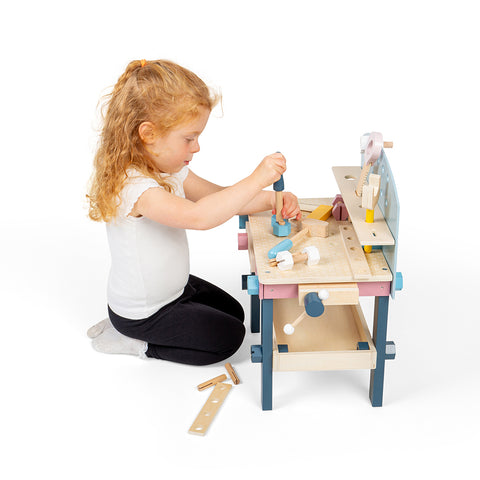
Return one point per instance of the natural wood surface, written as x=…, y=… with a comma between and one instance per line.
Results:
x=334, y=265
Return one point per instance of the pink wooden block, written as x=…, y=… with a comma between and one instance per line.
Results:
x=242, y=241
x=338, y=198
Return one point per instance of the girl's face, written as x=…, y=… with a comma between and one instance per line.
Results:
x=171, y=152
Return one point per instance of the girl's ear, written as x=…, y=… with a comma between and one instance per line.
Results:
x=146, y=130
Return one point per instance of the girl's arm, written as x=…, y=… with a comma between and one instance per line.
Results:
x=214, y=208
x=197, y=187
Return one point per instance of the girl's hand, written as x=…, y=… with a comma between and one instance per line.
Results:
x=291, y=208
x=270, y=169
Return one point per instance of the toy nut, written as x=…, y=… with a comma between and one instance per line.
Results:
x=285, y=260
x=288, y=329
x=313, y=255
x=281, y=230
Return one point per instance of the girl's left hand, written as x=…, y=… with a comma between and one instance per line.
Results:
x=290, y=209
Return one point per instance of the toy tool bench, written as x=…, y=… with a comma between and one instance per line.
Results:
x=307, y=278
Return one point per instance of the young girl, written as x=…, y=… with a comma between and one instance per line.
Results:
x=143, y=189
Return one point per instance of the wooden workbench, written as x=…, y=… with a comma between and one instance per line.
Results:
x=339, y=338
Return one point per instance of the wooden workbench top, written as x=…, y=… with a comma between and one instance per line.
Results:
x=334, y=265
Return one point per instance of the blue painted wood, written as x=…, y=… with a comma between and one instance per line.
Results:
x=253, y=285
x=242, y=220
x=389, y=205
x=256, y=353
x=267, y=353
x=377, y=376
x=279, y=185
x=254, y=313
x=313, y=305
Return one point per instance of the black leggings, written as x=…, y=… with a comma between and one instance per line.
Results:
x=203, y=326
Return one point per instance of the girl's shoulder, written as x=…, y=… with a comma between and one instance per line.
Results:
x=137, y=182
x=135, y=176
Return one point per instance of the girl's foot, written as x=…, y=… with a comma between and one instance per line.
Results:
x=111, y=341
x=97, y=329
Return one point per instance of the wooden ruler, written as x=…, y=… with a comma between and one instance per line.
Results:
x=353, y=249
x=210, y=409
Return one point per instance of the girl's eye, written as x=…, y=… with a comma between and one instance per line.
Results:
x=189, y=139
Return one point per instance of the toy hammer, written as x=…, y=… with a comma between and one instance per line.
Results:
x=312, y=227
x=281, y=227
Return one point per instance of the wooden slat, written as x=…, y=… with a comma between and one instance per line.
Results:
x=211, y=382
x=210, y=409
x=354, y=252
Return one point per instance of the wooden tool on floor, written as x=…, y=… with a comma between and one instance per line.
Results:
x=210, y=409
x=233, y=374
x=212, y=382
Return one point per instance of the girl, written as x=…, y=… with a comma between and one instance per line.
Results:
x=143, y=189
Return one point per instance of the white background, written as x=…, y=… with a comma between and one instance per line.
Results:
x=307, y=78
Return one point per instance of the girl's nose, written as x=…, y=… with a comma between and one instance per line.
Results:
x=195, y=147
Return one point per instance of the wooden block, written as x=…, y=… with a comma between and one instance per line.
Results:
x=339, y=293
x=210, y=409
x=233, y=374
x=354, y=251
x=371, y=192
x=316, y=228
x=212, y=382
x=322, y=212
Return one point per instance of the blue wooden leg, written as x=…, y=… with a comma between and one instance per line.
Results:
x=380, y=340
x=254, y=313
x=267, y=349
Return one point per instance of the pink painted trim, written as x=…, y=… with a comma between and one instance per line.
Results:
x=374, y=289
x=365, y=289
x=278, y=291
x=242, y=241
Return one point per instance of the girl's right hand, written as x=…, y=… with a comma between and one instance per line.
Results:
x=270, y=169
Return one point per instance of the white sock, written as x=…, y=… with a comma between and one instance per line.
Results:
x=99, y=327
x=112, y=341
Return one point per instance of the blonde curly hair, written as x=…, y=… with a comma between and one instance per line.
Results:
x=158, y=91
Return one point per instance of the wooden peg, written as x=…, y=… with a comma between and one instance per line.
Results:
x=212, y=382
x=233, y=374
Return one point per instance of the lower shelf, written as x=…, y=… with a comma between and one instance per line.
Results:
x=328, y=342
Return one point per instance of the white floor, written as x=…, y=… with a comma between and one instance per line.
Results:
x=70, y=412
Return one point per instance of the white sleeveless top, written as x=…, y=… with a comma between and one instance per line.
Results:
x=150, y=261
